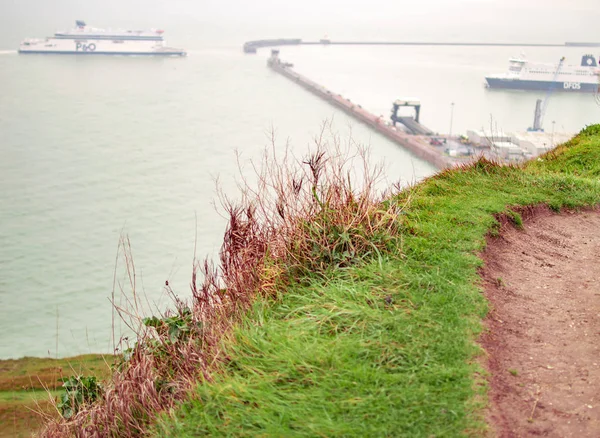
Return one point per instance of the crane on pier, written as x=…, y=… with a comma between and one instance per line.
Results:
x=540, y=106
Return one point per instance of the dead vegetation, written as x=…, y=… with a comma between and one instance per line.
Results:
x=301, y=219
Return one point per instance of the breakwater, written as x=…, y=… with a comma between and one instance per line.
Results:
x=253, y=46
x=418, y=145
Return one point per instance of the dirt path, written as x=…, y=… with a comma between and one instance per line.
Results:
x=543, y=342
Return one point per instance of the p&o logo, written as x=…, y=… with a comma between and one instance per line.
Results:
x=572, y=86
x=79, y=47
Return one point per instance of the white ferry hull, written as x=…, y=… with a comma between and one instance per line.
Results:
x=520, y=84
x=93, y=46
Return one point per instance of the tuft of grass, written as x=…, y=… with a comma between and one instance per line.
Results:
x=513, y=372
x=516, y=218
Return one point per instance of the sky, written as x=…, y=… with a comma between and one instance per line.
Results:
x=209, y=20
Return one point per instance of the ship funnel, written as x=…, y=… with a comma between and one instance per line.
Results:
x=588, y=61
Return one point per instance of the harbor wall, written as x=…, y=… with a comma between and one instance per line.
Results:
x=253, y=46
x=407, y=141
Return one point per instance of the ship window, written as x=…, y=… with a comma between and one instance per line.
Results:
x=118, y=41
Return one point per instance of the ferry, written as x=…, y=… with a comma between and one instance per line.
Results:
x=86, y=40
x=524, y=75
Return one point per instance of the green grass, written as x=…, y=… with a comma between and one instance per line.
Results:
x=26, y=396
x=580, y=156
x=40, y=373
x=387, y=348
x=23, y=384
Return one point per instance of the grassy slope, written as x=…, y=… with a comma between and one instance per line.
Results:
x=23, y=384
x=386, y=349
x=580, y=156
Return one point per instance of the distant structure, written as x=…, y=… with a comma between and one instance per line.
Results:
x=253, y=46
x=537, y=117
x=541, y=105
x=412, y=124
x=275, y=60
x=418, y=144
x=414, y=103
x=518, y=146
x=439, y=150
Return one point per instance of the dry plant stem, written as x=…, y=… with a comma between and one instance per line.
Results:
x=537, y=399
x=301, y=217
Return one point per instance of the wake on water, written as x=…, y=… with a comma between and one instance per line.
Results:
x=8, y=52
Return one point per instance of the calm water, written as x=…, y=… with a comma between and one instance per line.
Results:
x=93, y=148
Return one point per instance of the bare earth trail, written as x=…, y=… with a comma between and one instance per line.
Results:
x=543, y=337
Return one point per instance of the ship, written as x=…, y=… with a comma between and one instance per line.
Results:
x=87, y=40
x=525, y=75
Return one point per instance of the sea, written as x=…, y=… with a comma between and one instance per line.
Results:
x=96, y=151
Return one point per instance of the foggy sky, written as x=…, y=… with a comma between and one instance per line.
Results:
x=535, y=20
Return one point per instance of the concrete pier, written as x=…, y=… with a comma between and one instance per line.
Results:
x=418, y=145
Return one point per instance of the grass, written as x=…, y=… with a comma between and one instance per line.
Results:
x=386, y=347
x=27, y=386
x=580, y=156
x=334, y=311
